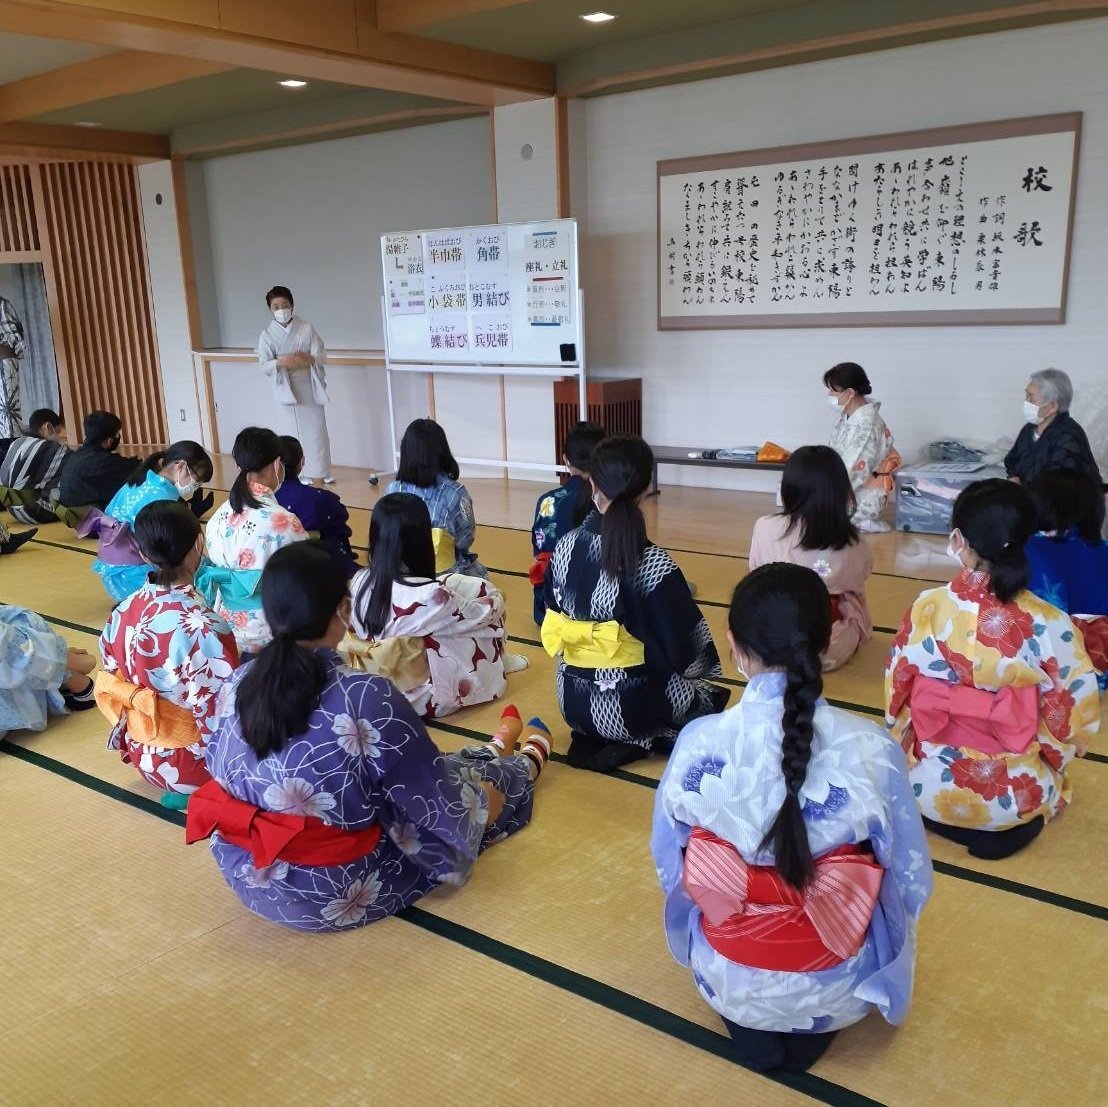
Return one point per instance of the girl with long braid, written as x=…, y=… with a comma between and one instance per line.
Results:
x=788, y=842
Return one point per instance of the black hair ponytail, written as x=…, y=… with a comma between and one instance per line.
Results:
x=400, y=546
x=621, y=468
x=302, y=587
x=166, y=531
x=254, y=449
x=997, y=517
x=191, y=453
x=781, y=614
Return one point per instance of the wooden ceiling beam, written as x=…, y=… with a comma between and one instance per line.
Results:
x=327, y=40
x=53, y=142
x=412, y=15
x=120, y=74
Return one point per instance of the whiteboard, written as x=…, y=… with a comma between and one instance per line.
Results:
x=966, y=224
x=500, y=294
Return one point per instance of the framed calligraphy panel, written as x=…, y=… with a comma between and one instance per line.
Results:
x=953, y=225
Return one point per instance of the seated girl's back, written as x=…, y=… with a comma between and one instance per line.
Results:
x=440, y=640
x=814, y=529
x=427, y=469
x=808, y=805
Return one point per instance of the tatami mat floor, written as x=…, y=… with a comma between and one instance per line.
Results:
x=134, y=976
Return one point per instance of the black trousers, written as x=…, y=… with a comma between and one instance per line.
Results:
x=766, y=1050
x=990, y=845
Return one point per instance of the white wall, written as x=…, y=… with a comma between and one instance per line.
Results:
x=311, y=216
x=167, y=287
x=715, y=388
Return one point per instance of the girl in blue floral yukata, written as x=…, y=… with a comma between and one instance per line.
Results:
x=330, y=806
x=788, y=842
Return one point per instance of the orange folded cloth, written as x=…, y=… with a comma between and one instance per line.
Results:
x=770, y=451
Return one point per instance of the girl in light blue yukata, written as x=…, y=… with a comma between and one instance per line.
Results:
x=428, y=470
x=40, y=675
x=788, y=842
x=176, y=473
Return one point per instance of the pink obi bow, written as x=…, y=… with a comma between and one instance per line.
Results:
x=974, y=718
x=754, y=917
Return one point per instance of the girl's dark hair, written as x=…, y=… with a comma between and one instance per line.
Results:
x=781, y=613
x=400, y=547
x=996, y=518
x=621, y=468
x=191, y=453
x=847, y=374
x=254, y=449
x=302, y=587
x=1068, y=502
x=279, y=290
x=582, y=439
x=424, y=454
x=816, y=497
x=292, y=453
x=166, y=531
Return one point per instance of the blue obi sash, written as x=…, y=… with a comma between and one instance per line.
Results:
x=237, y=588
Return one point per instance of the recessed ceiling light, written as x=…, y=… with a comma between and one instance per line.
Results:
x=87, y=123
x=598, y=17
x=292, y=82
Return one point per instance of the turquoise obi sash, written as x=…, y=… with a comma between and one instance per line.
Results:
x=237, y=588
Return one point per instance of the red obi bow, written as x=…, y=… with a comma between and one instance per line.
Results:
x=754, y=917
x=537, y=572
x=974, y=718
x=298, y=839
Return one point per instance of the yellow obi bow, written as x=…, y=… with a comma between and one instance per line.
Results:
x=445, y=553
x=151, y=720
x=403, y=660
x=589, y=645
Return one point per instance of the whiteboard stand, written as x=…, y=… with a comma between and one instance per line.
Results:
x=490, y=369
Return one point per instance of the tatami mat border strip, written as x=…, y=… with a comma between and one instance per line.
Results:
x=584, y=987
x=1002, y=884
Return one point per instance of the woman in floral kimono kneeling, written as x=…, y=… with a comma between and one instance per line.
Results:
x=330, y=806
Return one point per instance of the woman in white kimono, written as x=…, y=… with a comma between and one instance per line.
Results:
x=292, y=355
x=863, y=441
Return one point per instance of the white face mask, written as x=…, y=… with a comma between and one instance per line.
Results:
x=282, y=315
x=833, y=400
x=1030, y=411
x=952, y=553
x=188, y=487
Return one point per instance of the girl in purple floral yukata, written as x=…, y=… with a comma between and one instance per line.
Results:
x=330, y=807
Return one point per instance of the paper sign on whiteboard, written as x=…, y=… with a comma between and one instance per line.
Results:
x=447, y=293
x=404, y=270
x=492, y=332
x=487, y=248
x=449, y=332
x=444, y=251
x=490, y=291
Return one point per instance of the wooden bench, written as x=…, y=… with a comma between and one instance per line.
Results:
x=679, y=455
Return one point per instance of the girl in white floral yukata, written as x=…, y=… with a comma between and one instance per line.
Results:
x=329, y=805
x=863, y=441
x=244, y=534
x=440, y=640
x=814, y=530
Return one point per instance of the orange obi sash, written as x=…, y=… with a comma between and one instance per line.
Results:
x=974, y=718
x=537, y=572
x=882, y=478
x=270, y=837
x=151, y=720
x=752, y=916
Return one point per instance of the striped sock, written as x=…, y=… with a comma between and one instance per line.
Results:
x=536, y=745
x=504, y=740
